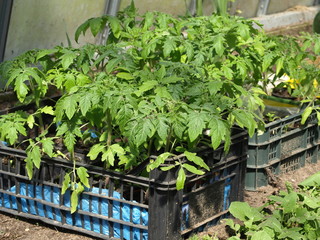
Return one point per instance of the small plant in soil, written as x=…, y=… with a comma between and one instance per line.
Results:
x=289, y=215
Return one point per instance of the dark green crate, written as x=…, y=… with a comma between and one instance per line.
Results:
x=284, y=146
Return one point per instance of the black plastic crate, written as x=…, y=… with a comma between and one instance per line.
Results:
x=285, y=146
x=119, y=206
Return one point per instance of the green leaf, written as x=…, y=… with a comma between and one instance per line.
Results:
x=163, y=92
x=217, y=132
x=196, y=125
x=244, y=212
x=29, y=166
x=143, y=131
x=162, y=128
x=181, y=179
x=146, y=86
x=117, y=149
x=197, y=160
x=214, y=87
x=47, y=110
x=115, y=26
x=47, y=146
x=125, y=75
x=96, y=24
x=83, y=175
x=108, y=156
x=74, y=201
x=95, y=150
x=66, y=183
x=67, y=58
x=35, y=155
x=69, y=141
x=279, y=65
x=70, y=105
x=167, y=168
x=192, y=169
x=11, y=135
x=112, y=63
x=168, y=46
x=20, y=87
x=81, y=29
x=306, y=113
x=227, y=72
x=159, y=160
x=245, y=119
x=218, y=44
x=30, y=121
x=261, y=235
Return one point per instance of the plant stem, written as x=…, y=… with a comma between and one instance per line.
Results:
x=109, y=128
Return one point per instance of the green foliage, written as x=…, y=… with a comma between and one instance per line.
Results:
x=157, y=86
x=293, y=215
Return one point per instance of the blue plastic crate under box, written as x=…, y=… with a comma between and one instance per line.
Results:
x=119, y=206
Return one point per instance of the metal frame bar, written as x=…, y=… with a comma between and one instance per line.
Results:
x=112, y=7
x=263, y=7
x=5, y=13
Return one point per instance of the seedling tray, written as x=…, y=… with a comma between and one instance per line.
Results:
x=118, y=206
x=284, y=146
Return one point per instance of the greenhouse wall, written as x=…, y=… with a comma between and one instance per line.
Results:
x=46, y=23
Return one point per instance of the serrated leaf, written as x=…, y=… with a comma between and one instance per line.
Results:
x=196, y=124
x=214, y=87
x=21, y=88
x=85, y=103
x=162, y=129
x=217, y=132
x=218, y=44
x=67, y=58
x=69, y=141
x=306, y=113
x=95, y=150
x=181, y=179
x=146, y=86
x=168, y=46
x=47, y=110
x=197, y=160
x=66, y=183
x=30, y=121
x=96, y=25
x=70, y=105
x=163, y=92
x=111, y=65
x=192, y=169
x=35, y=155
x=245, y=119
x=81, y=29
x=159, y=160
x=11, y=135
x=83, y=176
x=227, y=72
x=117, y=149
x=47, y=146
x=144, y=130
x=108, y=156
